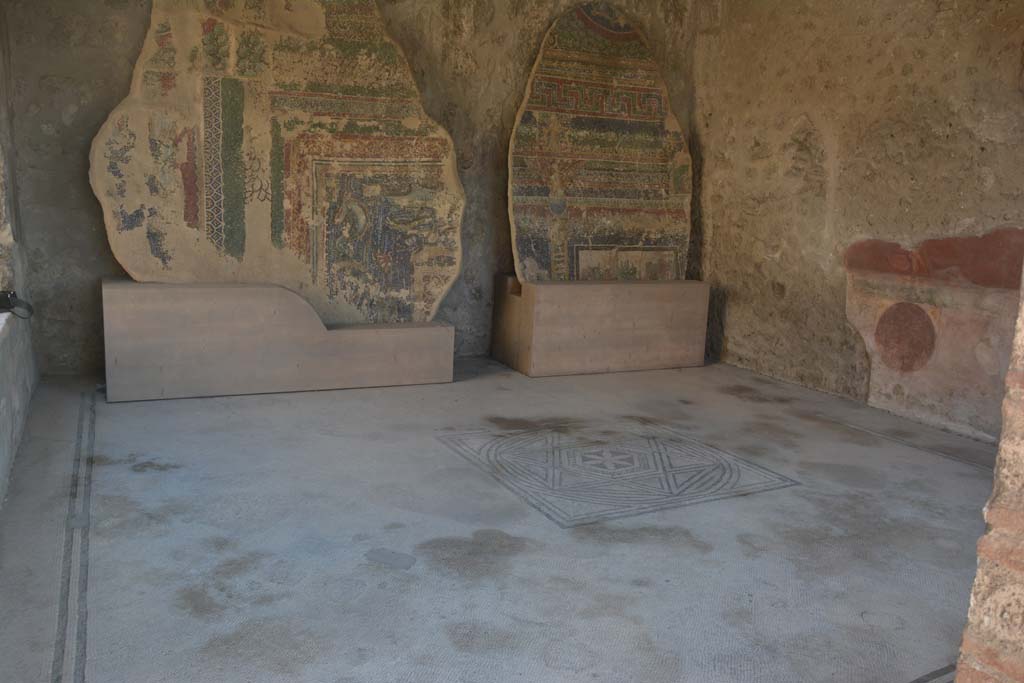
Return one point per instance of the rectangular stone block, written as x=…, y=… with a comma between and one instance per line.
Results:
x=180, y=341
x=570, y=328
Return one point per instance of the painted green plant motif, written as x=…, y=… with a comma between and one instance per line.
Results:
x=293, y=45
x=119, y=154
x=220, y=5
x=276, y=184
x=215, y=44
x=252, y=53
x=165, y=54
x=257, y=7
x=628, y=271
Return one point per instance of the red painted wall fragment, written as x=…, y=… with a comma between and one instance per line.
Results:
x=991, y=260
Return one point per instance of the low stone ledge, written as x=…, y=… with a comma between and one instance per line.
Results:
x=18, y=379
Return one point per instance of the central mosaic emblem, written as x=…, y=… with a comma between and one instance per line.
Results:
x=576, y=479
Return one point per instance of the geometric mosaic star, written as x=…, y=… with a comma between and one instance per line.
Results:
x=575, y=479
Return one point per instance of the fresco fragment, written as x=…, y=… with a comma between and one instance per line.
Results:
x=282, y=141
x=599, y=170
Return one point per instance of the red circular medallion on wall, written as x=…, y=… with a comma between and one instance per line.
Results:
x=905, y=337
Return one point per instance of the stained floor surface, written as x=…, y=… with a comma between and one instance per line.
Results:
x=697, y=525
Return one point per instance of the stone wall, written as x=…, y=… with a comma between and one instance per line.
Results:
x=10, y=255
x=471, y=58
x=812, y=126
x=993, y=645
x=17, y=365
x=72, y=64
x=824, y=123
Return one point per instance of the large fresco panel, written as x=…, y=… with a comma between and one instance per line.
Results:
x=282, y=141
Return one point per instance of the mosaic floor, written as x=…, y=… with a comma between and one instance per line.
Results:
x=702, y=525
x=580, y=479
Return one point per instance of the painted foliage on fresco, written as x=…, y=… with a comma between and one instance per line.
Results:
x=599, y=169
x=282, y=141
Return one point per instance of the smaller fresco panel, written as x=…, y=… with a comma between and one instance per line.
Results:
x=599, y=170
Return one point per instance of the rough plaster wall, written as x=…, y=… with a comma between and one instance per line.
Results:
x=10, y=255
x=819, y=124
x=73, y=62
x=993, y=644
x=472, y=59
x=17, y=365
x=822, y=123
